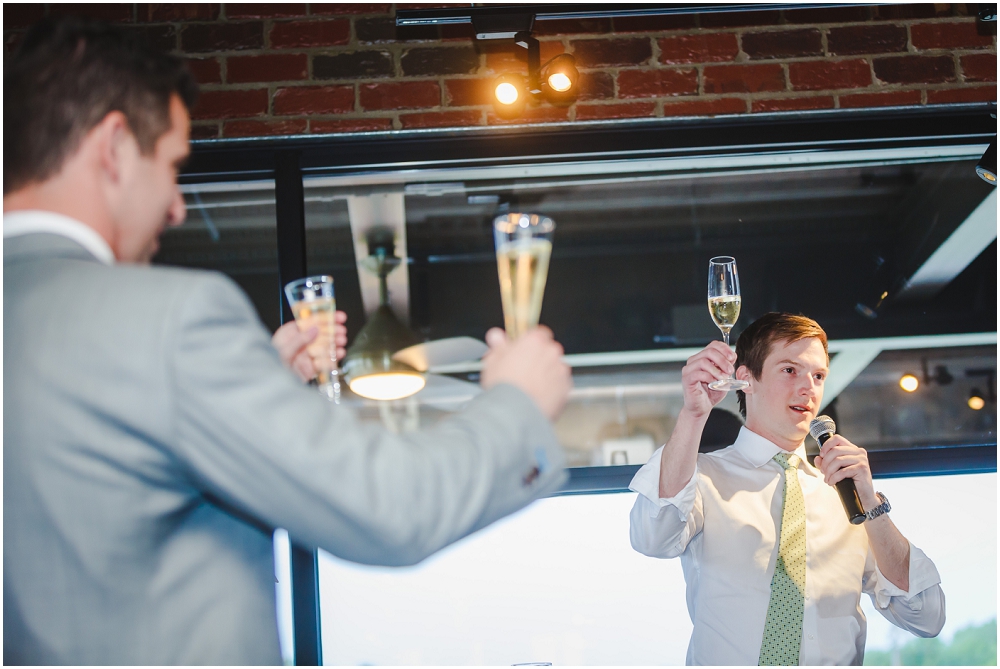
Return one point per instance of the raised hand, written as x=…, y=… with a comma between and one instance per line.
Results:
x=713, y=362
x=839, y=459
x=532, y=362
x=292, y=345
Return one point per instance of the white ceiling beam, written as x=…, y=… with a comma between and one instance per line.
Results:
x=845, y=367
x=681, y=354
x=963, y=246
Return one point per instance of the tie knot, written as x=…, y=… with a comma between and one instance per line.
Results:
x=787, y=460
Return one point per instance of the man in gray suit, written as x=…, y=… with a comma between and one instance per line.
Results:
x=152, y=435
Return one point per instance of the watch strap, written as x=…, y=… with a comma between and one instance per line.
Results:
x=882, y=508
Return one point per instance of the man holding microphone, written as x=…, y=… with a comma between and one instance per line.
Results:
x=774, y=568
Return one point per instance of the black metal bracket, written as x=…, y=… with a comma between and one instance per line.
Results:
x=499, y=25
x=526, y=41
x=291, y=224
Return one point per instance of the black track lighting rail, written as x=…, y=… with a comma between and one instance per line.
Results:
x=554, y=12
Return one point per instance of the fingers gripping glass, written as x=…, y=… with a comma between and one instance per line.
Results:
x=313, y=305
x=724, y=306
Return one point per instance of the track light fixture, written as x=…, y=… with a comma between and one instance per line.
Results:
x=556, y=80
x=509, y=95
x=559, y=77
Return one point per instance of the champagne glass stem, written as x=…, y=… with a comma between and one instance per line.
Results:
x=725, y=338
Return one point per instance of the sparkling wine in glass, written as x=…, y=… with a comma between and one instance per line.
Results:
x=724, y=306
x=313, y=305
x=523, y=246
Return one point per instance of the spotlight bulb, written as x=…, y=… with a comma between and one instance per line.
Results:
x=976, y=401
x=506, y=93
x=909, y=383
x=559, y=82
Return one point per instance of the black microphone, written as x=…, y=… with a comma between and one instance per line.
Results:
x=822, y=428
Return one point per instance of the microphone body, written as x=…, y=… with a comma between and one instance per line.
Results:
x=822, y=428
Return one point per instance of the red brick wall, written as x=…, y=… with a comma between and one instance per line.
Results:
x=278, y=69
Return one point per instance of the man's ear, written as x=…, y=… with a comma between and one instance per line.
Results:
x=743, y=374
x=114, y=143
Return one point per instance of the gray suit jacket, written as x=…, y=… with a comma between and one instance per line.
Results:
x=152, y=438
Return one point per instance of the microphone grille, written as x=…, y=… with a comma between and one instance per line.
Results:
x=821, y=425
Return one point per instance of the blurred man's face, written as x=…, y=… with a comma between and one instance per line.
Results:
x=151, y=199
x=788, y=394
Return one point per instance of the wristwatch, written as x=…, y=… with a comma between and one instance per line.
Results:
x=880, y=509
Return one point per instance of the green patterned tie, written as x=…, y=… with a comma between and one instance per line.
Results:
x=783, y=630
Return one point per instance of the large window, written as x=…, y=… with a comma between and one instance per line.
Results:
x=874, y=224
x=559, y=583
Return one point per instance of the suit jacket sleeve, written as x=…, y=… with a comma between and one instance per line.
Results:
x=251, y=435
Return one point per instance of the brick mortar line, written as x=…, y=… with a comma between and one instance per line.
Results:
x=656, y=100
x=752, y=97
x=273, y=86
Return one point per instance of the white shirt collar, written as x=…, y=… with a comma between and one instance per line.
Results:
x=33, y=221
x=759, y=451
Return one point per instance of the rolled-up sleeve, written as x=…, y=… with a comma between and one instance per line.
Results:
x=662, y=527
x=919, y=610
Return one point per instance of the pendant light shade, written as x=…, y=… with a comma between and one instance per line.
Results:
x=369, y=368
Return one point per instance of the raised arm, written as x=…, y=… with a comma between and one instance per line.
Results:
x=254, y=438
x=666, y=480
x=677, y=462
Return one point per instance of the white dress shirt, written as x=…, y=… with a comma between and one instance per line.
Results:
x=725, y=523
x=27, y=222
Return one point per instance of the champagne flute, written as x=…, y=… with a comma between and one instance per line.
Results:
x=724, y=306
x=523, y=245
x=313, y=305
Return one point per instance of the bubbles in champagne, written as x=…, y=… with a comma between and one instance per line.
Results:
x=523, y=266
x=725, y=310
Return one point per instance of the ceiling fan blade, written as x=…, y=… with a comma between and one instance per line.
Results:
x=441, y=352
x=446, y=393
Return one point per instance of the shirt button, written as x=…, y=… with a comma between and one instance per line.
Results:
x=811, y=637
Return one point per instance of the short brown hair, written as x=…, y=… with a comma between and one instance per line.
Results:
x=67, y=75
x=754, y=343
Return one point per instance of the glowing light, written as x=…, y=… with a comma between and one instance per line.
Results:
x=506, y=93
x=976, y=403
x=909, y=383
x=390, y=386
x=558, y=81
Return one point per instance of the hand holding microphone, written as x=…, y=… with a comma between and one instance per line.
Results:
x=843, y=466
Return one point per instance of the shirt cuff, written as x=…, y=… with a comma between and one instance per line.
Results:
x=922, y=575
x=646, y=482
